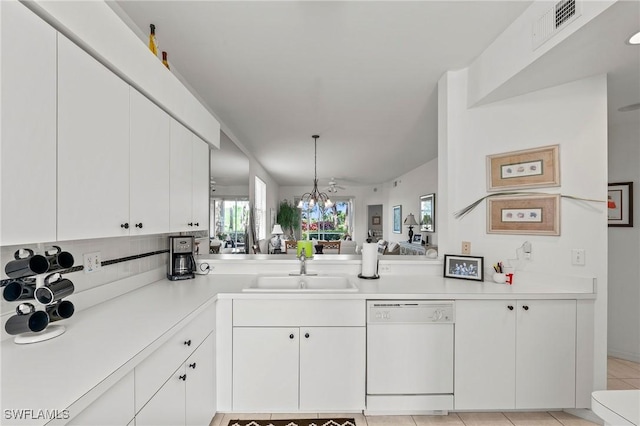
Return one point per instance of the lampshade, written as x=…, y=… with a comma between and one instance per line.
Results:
x=277, y=229
x=410, y=220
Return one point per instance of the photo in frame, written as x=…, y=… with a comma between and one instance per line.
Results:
x=428, y=213
x=397, y=219
x=620, y=204
x=417, y=238
x=464, y=267
x=524, y=215
x=375, y=220
x=529, y=168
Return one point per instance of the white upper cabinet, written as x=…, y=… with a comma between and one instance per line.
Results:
x=28, y=148
x=149, y=167
x=181, y=177
x=93, y=147
x=189, y=180
x=200, y=201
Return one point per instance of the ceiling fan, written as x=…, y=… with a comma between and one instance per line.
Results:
x=333, y=186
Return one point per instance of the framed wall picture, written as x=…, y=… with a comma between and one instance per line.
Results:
x=524, y=215
x=530, y=168
x=464, y=267
x=620, y=204
x=375, y=220
x=397, y=219
x=428, y=213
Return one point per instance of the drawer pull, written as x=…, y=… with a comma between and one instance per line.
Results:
x=291, y=336
x=183, y=377
x=188, y=342
x=510, y=307
x=124, y=225
x=192, y=365
x=525, y=307
x=306, y=335
x=139, y=225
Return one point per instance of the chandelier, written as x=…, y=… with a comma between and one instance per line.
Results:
x=315, y=196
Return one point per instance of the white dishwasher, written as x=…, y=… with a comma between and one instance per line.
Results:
x=410, y=356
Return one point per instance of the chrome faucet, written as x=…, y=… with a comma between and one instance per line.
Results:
x=303, y=263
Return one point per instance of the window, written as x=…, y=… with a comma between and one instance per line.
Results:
x=261, y=208
x=331, y=223
x=230, y=218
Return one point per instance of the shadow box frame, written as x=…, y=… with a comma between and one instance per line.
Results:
x=524, y=215
x=528, y=168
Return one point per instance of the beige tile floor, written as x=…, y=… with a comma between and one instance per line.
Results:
x=622, y=374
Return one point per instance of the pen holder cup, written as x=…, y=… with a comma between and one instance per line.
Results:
x=499, y=277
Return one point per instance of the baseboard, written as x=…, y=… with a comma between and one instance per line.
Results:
x=583, y=413
x=629, y=356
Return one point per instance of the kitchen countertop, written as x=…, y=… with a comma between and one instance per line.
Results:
x=107, y=341
x=617, y=407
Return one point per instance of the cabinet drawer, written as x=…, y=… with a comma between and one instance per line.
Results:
x=154, y=371
x=295, y=313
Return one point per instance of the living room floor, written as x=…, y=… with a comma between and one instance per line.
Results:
x=621, y=374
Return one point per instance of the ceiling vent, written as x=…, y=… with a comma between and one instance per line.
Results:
x=554, y=20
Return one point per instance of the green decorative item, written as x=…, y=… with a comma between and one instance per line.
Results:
x=288, y=217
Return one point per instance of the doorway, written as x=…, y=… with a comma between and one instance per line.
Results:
x=375, y=222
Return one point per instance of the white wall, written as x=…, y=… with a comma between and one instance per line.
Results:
x=574, y=116
x=624, y=248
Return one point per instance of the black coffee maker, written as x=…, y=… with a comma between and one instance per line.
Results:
x=182, y=264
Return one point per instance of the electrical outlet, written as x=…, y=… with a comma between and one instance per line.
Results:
x=577, y=257
x=466, y=247
x=92, y=262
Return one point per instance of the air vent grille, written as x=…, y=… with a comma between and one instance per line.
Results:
x=553, y=20
x=564, y=11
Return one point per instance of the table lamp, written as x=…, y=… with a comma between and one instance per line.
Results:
x=277, y=231
x=410, y=221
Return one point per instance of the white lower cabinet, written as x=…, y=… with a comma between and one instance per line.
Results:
x=114, y=408
x=515, y=354
x=280, y=365
x=188, y=397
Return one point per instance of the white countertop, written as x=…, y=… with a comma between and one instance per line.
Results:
x=617, y=407
x=105, y=342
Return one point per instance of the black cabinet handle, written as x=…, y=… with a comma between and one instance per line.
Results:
x=291, y=336
x=525, y=307
x=187, y=342
x=183, y=377
x=192, y=365
x=124, y=225
x=139, y=225
x=197, y=223
x=190, y=223
x=510, y=307
x=306, y=335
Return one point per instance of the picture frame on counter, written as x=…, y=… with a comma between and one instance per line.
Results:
x=464, y=267
x=524, y=215
x=417, y=238
x=620, y=204
x=529, y=168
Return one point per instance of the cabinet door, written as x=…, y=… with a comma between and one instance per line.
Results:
x=485, y=354
x=200, y=194
x=265, y=369
x=93, y=147
x=114, y=407
x=28, y=131
x=332, y=368
x=149, y=165
x=181, y=177
x=545, y=354
x=200, y=396
x=167, y=407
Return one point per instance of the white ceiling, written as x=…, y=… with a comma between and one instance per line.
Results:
x=363, y=75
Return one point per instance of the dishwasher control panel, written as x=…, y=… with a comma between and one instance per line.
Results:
x=410, y=312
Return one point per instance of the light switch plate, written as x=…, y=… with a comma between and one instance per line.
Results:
x=577, y=257
x=92, y=262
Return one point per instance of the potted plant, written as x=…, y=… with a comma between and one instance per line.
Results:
x=288, y=217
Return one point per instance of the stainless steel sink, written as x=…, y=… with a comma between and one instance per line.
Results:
x=301, y=283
